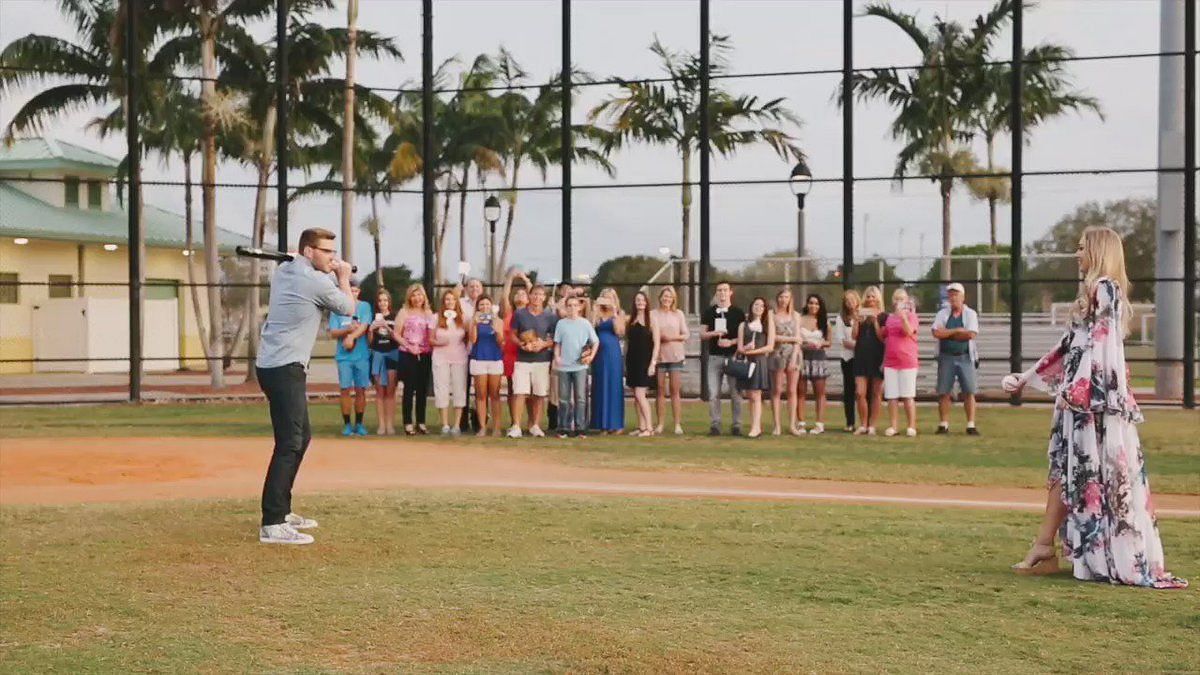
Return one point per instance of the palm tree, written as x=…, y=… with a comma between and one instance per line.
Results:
x=1047, y=93
x=669, y=114
x=348, y=128
x=934, y=101
x=462, y=139
x=530, y=132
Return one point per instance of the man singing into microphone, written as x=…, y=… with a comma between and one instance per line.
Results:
x=300, y=290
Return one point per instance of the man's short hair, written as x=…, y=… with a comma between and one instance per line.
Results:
x=536, y=288
x=312, y=235
x=723, y=283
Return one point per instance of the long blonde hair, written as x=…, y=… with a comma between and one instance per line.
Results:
x=1104, y=253
x=849, y=295
x=410, y=293
x=873, y=291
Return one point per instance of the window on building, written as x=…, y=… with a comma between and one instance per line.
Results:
x=162, y=289
x=94, y=191
x=71, y=183
x=9, y=290
x=62, y=286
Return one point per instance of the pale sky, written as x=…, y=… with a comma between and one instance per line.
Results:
x=611, y=37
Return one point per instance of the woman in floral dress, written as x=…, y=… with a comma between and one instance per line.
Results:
x=1099, y=497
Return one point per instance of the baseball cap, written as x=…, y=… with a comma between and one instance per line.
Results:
x=956, y=287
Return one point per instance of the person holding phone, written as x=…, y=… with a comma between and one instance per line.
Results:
x=608, y=368
x=718, y=330
x=756, y=341
x=413, y=327
x=510, y=302
x=671, y=334
x=640, y=357
x=487, y=364
x=814, y=340
x=353, y=360
x=900, y=361
x=385, y=359
x=449, y=362
x=868, y=359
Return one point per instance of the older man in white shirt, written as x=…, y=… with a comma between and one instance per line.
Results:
x=956, y=327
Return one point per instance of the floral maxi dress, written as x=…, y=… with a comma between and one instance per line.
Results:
x=1110, y=533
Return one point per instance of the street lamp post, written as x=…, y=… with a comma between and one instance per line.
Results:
x=491, y=213
x=801, y=182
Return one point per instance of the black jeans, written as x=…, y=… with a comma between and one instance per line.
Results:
x=848, y=393
x=415, y=372
x=286, y=396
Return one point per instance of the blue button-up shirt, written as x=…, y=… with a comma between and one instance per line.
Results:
x=299, y=295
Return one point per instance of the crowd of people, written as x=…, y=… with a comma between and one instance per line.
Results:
x=1098, y=501
x=569, y=360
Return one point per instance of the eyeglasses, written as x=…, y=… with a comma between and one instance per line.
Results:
x=330, y=251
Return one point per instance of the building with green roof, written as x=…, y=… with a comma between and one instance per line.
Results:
x=63, y=251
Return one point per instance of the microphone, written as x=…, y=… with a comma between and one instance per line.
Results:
x=276, y=256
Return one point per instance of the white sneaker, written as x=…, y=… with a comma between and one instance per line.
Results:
x=536, y=432
x=870, y=431
x=514, y=432
x=678, y=430
x=445, y=430
x=282, y=534
x=819, y=428
x=910, y=432
x=890, y=431
x=299, y=522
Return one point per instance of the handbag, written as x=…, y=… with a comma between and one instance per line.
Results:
x=739, y=368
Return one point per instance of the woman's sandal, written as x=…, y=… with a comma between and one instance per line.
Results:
x=1045, y=561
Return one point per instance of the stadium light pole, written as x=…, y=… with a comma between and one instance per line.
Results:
x=1017, y=134
x=427, y=145
x=135, y=249
x=801, y=182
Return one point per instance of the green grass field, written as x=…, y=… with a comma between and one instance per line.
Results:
x=1010, y=453
x=454, y=582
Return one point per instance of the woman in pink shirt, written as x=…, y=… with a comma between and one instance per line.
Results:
x=449, y=338
x=899, y=335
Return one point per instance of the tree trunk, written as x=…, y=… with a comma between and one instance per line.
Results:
x=376, y=236
x=502, y=265
x=946, y=186
x=201, y=326
x=208, y=177
x=348, y=131
x=267, y=143
x=439, y=241
x=995, y=287
x=686, y=252
x=462, y=213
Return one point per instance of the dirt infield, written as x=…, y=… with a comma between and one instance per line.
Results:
x=85, y=470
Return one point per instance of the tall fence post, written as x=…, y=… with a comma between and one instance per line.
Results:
x=705, y=240
x=847, y=143
x=1189, y=204
x=1017, y=128
x=134, y=248
x=567, y=142
x=282, y=155
x=427, y=145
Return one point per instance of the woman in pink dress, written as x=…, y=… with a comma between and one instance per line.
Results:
x=1099, y=497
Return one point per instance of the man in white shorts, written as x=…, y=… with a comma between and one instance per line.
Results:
x=534, y=327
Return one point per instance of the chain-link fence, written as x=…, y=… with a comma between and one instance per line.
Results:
x=843, y=144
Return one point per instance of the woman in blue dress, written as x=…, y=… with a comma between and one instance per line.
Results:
x=608, y=370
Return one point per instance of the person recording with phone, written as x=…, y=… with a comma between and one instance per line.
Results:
x=301, y=290
x=487, y=337
x=900, y=362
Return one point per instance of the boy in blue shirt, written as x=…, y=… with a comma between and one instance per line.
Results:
x=353, y=361
x=575, y=346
